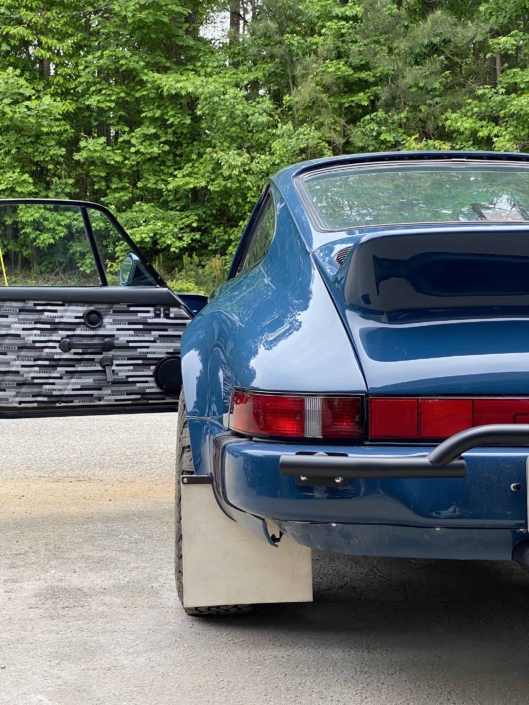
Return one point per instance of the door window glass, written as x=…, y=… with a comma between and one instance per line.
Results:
x=63, y=245
x=45, y=245
x=112, y=248
x=122, y=267
x=261, y=237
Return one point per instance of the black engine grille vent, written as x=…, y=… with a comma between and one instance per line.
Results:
x=341, y=255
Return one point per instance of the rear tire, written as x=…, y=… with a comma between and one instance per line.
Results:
x=184, y=466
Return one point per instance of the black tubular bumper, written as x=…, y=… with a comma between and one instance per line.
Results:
x=443, y=461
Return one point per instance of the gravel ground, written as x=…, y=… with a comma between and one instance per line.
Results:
x=89, y=614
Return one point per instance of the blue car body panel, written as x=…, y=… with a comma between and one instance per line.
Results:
x=273, y=327
x=461, y=357
x=284, y=326
x=251, y=481
x=405, y=541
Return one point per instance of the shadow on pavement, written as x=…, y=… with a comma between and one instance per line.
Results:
x=435, y=631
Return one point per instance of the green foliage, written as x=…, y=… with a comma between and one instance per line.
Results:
x=132, y=105
x=43, y=245
x=196, y=277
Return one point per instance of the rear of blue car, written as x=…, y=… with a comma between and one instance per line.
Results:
x=385, y=498
x=431, y=461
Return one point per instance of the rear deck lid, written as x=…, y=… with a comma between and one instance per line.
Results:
x=441, y=309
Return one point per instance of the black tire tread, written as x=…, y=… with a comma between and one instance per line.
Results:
x=184, y=466
x=218, y=610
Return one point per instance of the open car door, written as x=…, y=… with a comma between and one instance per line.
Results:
x=80, y=333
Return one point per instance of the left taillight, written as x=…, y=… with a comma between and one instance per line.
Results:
x=296, y=416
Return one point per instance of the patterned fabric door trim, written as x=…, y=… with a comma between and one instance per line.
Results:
x=36, y=374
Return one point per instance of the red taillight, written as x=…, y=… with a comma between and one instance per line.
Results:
x=266, y=414
x=295, y=416
x=393, y=418
x=340, y=417
x=440, y=418
x=488, y=411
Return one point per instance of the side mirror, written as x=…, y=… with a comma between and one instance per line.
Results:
x=132, y=272
x=126, y=270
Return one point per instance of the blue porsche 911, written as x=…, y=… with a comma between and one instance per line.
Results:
x=359, y=384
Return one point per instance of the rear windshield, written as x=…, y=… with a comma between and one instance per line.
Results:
x=353, y=197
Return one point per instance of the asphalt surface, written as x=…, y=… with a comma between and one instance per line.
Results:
x=89, y=614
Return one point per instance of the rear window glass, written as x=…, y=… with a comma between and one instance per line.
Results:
x=424, y=193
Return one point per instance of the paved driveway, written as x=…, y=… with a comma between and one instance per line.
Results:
x=89, y=615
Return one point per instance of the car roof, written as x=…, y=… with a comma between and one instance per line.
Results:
x=295, y=170
x=284, y=180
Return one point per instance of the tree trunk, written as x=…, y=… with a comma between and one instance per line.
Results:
x=235, y=21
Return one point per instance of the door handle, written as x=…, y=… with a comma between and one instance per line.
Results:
x=105, y=345
x=106, y=363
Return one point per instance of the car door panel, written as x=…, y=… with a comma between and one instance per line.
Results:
x=37, y=376
x=83, y=329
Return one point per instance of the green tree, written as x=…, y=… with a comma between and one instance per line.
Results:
x=133, y=103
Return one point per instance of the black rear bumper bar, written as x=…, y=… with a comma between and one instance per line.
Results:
x=364, y=467
x=443, y=461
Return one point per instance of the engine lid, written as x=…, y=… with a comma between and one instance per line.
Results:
x=440, y=310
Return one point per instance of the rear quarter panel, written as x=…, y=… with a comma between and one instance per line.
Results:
x=275, y=327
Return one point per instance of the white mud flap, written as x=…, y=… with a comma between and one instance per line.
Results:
x=223, y=564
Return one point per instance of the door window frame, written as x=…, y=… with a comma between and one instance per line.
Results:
x=84, y=207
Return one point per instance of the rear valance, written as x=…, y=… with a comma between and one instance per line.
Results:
x=436, y=268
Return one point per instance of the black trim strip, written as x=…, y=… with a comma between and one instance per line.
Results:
x=43, y=412
x=219, y=446
x=141, y=295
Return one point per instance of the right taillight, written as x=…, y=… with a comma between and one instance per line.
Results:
x=406, y=418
